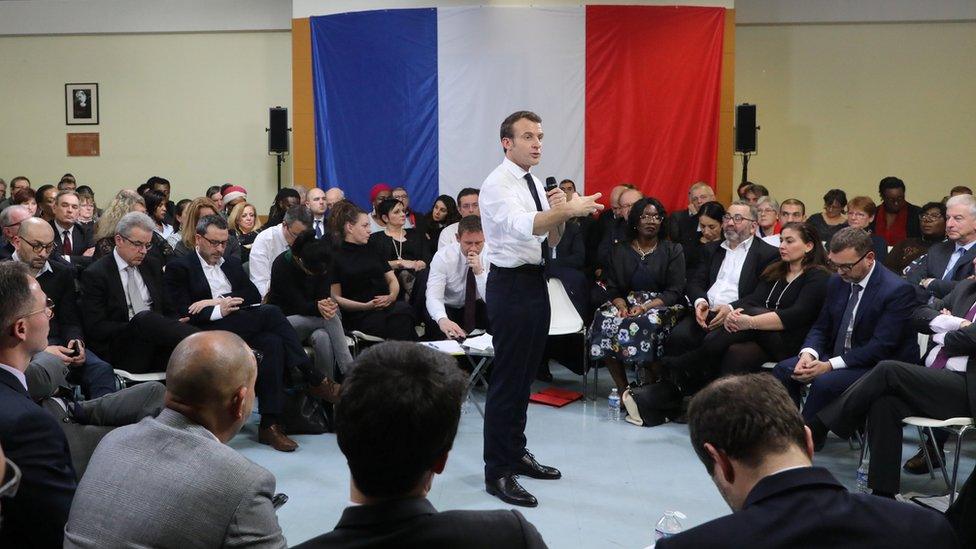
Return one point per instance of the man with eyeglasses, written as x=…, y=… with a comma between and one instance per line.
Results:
x=30, y=437
x=10, y=220
x=864, y=320
x=127, y=317
x=728, y=270
x=951, y=261
x=271, y=242
x=214, y=293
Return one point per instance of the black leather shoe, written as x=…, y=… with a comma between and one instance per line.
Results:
x=509, y=490
x=917, y=465
x=529, y=467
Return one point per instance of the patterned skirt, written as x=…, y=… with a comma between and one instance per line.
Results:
x=632, y=339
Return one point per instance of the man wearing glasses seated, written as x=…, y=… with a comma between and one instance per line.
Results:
x=126, y=315
x=864, y=319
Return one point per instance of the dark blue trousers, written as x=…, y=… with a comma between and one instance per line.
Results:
x=824, y=389
x=518, y=313
x=97, y=378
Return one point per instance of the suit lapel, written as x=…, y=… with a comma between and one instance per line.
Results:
x=749, y=266
x=866, y=301
x=11, y=381
x=963, y=267
x=961, y=307
x=717, y=258
x=149, y=278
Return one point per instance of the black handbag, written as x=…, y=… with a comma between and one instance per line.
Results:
x=305, y=415
x=652, y=404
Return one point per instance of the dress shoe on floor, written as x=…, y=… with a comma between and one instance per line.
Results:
x=328, y=390
x=509, y=490
x=277, y=438
x=917, y=465
x=529, y=467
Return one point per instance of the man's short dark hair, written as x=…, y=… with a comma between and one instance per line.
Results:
x=15, y=294
x=19, y=178
x=207, y=221
x=467, y=191
x=794, y=202
x=849, y=237
x=570, y=181
x=890, y=182
x=156, y=180
x=470, y=224
x=747, y=417
x=510, y=120
x=398, y=416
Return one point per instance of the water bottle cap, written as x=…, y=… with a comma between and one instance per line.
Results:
x=613, y=391
x=678, y=514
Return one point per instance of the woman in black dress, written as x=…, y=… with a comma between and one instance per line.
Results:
x=768, y=325
x=364, y=285
x=404, y=249
x=645, y=282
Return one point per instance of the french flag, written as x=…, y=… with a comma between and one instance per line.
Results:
x=415, y=97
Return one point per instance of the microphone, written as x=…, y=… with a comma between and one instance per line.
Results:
x=551, y=184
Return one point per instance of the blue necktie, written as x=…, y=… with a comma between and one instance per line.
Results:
x=318, y=229
x=841, y=343
x=956, y=256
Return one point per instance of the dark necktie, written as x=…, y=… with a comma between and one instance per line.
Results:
x=470, y=301
x=318, y=229
x=841, y=344
x=953, y=263
x=538, y=207
x=942, y=357
x=66, y=243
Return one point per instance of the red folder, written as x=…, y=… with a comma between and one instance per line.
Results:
x=552, y=396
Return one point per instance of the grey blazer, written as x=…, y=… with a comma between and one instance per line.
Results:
x=933, y=265
x=168, y=482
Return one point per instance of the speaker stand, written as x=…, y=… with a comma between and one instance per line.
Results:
x=745, y=168
x=279, y=160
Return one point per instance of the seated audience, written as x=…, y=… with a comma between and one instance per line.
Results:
x=178, y=221
x=568, y=262
x=34, y=243
x=215, y=294
x=769, y=324
x=10, y=220
x=683, y=224
x=127, y=317
x=590, y=235
x=896, y=219
x=767, y=212
x=405, y=400
x=332, y=197
x=127, y=201
x=754, y=192
x=959, y=189
x=645, y=281
x=790, y=211
x=443, y=213
x=25, y=197
x=171, y=481
x=610, y=215
x=87, y=209
x=709, y=230
x=196, y=210
x=285, y=199
x=949, y=261
x=860, y=214
x=455, y=297
x=758, y=453
x=231, y=196
x=832, y=219
x=300, y=285
x=400, y=195
x=864, y=319
x=156, y=209
x=302, y=191
x=617, y=232
x=404, y=249
x=315, y=200
x=377, y=194
x=72, y=242
x=162, y=185
x=467, y=203
x=3, y=190
x=16, y=184
x=243, y=221
x=272, y=241
x=30, y=437
x=728, y=271
x=46, y=195
x=216, y=195
x=364, y=285
x=67, y=183
x=933, y=227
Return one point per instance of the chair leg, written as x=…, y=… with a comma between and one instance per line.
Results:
x=955, y=465
x=864, y=447
x=925, y=451
x=938, y=457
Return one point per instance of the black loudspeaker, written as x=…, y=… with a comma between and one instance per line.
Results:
x=745, y=128
x=277, y=130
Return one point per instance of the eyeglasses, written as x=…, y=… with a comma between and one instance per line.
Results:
x=653, y=218
x=735, y=218
x=215, y=243
x=48, y=310
x=147, y=245
x=931, y=217
x=39, y=247
x=763, y=211
x=846, y=267
x=9, y=489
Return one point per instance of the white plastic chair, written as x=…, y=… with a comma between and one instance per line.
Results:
x=128, y=378
x=564, y=319
x=956, y=425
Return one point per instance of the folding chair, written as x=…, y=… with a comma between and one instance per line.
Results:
x=127, y=379
x=564, y=319
x=955, y=425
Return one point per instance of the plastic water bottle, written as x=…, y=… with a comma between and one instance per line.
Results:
x=613, y=405
x=668, y=525
x=862, y=478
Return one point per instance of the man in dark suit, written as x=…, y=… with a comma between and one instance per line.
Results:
x=74, y=243
x=414, y=415
x=30, y=437
x=758, y=453
x=216, y=294
x=893, y=390
x=34, y=244
x=616, y=231
x=864, y=320
x=683, y=224
x=728, y=271
x=950, y=261
x=125, y=311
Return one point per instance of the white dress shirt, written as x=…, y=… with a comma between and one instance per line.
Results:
x=941, y=325
x=448, y=280
x=725, y=290
x=772, y=240
x=448, y=236
x=124, y=275
x=319, y=224
x=837, y=362
x=268, y=245
x=45, y=269
x=219, y=284
x=507, y=214
x=16, y=373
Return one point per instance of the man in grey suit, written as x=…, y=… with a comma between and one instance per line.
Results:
x=951, y=260
x=171, y=481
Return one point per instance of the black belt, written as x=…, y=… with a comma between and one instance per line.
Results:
x=528, y=269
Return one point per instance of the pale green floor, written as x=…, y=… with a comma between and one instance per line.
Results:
x=618, y=479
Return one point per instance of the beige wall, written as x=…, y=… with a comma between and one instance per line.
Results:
x=189, y=107
x=845, y=105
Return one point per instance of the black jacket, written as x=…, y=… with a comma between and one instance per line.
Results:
x=934, y=263
x=59, y=285
x=759, y=256
x=186, y=284
x=294, y=291
x=81, y=240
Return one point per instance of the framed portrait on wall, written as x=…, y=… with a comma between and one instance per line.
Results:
x=81, y=104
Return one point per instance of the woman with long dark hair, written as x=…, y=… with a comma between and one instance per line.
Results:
x=709, y=230
x=443, y=213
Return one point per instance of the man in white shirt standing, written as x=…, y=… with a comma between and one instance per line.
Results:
x=521, y=224
x=271, y=242
x=456, y=284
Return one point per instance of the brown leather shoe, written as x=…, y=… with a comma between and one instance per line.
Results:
x=328, y=390
x=276, y=438
x=917, y=465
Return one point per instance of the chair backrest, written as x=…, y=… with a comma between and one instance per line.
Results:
x=563, y=319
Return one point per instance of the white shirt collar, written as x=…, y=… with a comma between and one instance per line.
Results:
x=61, y=228
x=17, y=374
x=205, y=265
x=513, y=168
x=965, y=246
x=119, y=262
x=45, y=269
x=864, y=281
x=744, y=245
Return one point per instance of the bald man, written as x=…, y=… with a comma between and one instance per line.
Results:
x=617, y=231
x=171, y=481
x=318, y=206
x=10, y=219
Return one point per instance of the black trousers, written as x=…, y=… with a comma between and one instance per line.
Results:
x=888, y=393
x=518, y=312
x=267, y=329
x=396, y=322
x=146, y=343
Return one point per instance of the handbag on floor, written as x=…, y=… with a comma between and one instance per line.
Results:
x=652, y=404
x=305, y=415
